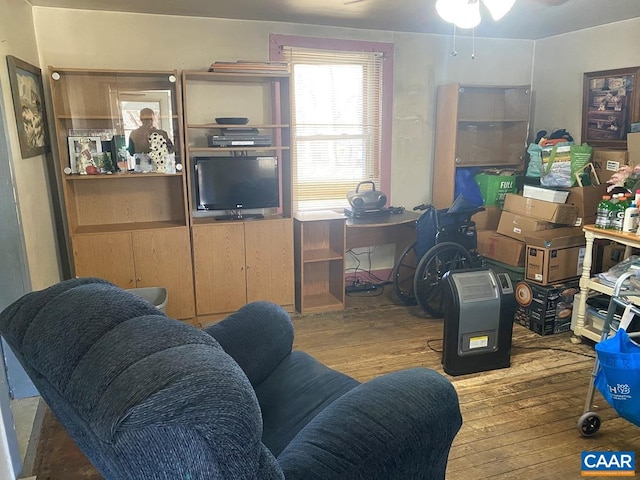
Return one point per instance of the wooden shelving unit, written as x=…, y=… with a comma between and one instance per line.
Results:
x=319, y=240
x=478, y=126
x=239, y=261
x=129, y=228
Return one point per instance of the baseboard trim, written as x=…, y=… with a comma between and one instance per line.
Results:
x=32, y=447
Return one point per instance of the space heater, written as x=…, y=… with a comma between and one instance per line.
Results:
x=479, y=307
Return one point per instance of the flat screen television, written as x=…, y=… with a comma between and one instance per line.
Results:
x=236, y=183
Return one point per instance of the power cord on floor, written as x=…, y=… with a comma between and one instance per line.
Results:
x=558, y=349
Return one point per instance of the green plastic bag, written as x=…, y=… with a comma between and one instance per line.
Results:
x=580, y=157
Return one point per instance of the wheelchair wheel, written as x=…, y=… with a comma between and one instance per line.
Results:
x=403, y=273
x=432, y=266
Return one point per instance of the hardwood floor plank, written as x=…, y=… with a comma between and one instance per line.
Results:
x=518, y=422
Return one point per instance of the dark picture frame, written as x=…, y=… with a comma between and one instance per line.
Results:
x=29, y=107
x=611, y=103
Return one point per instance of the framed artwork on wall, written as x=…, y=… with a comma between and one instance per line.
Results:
x=28, y=103
x=611, y=103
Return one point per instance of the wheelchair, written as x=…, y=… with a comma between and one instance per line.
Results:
x=445, y=240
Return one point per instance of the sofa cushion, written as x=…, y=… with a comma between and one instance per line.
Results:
x=297, y=390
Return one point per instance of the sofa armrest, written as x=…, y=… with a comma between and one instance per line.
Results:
x=258, y=337
x=397, y=426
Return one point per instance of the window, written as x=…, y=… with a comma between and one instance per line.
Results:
x=340, y=117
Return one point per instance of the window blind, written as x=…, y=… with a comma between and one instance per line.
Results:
x=336, y=124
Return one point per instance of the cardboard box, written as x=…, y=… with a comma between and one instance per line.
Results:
x=501, y=248
x=488, y=219
x=586, y=199
x=607, y=161
x=494, y=187
x=561, y=213
x=554, y=256
x=546, y=194
x=612, y=255
x=633, y=148
x=546, y=310
x=516, y=226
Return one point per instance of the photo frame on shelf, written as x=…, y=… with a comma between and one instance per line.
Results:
x=28, y=104
x=611, y=103
x=76, y=147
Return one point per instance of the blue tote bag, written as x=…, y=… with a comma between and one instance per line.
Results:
x=618, y=378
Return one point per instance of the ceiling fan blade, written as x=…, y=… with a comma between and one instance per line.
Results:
x=551, y=3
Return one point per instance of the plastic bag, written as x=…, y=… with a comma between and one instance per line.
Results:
x=465, y=185
x=556, y=171
x=618, y=377
x=534, y=168
x=580, y=158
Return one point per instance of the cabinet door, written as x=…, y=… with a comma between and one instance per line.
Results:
x=105, y=255
x=269, y=255
x=162, y=259
x=219, y=266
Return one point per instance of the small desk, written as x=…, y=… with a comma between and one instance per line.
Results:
x=398, y=229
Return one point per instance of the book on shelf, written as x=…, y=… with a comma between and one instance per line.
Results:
x=244, y=66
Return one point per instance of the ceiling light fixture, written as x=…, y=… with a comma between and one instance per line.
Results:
x=466, y=13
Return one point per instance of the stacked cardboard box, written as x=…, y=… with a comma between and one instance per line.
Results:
x=520, y=217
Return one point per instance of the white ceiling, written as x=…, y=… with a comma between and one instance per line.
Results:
x=529, y=19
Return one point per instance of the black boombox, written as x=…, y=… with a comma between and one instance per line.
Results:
x=367, y=199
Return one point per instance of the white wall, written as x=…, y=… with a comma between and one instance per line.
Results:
x=17, y=38
x=88, y=39
x=559, y=65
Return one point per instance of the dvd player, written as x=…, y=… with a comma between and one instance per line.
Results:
x=359, y=213
x=237, y=141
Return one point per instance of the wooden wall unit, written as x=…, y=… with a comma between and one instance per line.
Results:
x=129, y=228
x=239, y=261
x=478, y=126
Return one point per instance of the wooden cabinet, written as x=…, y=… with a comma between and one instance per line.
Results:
x=127, y=227
x=240, y=262
x=477, y=126
x=319, y=239
x=137, y=259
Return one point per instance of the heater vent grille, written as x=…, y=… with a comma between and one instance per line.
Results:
x=475, y=288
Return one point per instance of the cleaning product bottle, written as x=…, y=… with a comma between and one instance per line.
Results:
x=630, y=222
x=602, y=212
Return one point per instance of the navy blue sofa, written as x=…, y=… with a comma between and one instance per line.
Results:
x=148, y=397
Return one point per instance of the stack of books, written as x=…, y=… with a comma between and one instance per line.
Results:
x=241, y=66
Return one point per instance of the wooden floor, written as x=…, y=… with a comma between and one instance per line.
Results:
x=519, y=422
